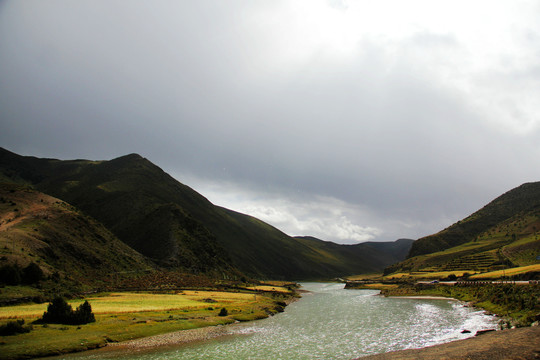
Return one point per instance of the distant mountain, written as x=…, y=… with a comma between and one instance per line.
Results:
x=503, y=233
x=177, y=228
x=375, y=255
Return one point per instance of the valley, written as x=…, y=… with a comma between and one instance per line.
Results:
x=125, y=232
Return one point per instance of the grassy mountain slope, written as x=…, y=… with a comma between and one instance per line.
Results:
x=525, y=198
x=137, y=201
x=38, y=228
x=502, y=234
x=174, y=225
x=375, y=255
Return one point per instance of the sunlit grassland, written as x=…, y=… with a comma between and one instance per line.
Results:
x=280, y=283
x=121, y=303
x=426, y=275
x=507, y=272
x=125, y=316
x=268, y=288
x=365, y=277
x=376, y=286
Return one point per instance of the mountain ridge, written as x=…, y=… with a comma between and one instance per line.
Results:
x=502, y=234
x=177, y=227
x=522, y=198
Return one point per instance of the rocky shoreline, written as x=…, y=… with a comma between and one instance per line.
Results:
x=174, y=338
x=511, y=344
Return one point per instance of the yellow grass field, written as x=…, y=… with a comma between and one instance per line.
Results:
x=507, y=272
x=376, y=286
x=138, y=302
x=426, y=275
x=125, y=316
x=365, y=277
x=268, y=288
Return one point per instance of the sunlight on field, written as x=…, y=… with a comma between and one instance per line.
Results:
x=427, y=275
x=507, y=272
x=279, y=283
x=365, y=277
x=397, y=276
x=376, y=286
x=136, y=302
x=125, y=316
x=268, y=288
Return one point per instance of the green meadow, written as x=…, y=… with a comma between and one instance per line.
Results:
x=126, y=316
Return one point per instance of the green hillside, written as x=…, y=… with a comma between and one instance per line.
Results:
x=503, y=234
x=178, y=228
x=521, y=200
x=70, y=248
x=375, y=255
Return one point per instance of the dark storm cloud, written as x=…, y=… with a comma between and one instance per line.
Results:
x=336, y=119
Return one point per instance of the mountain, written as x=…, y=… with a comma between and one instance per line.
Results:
x=40, y=229
x=178, y=228
x=375, y=255
x=502, y=234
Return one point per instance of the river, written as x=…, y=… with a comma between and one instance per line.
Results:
x=330, y=322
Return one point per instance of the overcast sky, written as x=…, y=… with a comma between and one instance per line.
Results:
x=345, y=120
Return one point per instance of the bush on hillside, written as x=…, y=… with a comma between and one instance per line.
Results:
x=223, y=312
x=32, y=274
x=84, y=314
x=14, y=328
x=13, y=274
x=10, y=275
x=60, y=312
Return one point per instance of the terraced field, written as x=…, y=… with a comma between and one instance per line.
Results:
x=478, y=262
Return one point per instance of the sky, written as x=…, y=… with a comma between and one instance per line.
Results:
x=348, y=120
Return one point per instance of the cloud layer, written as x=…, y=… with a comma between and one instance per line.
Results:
x=348, y=120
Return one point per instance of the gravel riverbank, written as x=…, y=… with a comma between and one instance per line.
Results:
x=512, y=344
x=174, y=338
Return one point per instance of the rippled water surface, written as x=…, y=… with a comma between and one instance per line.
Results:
x=333, y=323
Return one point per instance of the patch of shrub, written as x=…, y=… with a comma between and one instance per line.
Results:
x=13, y=274
x=84, y=314
x=223, y=312
x=32, y=274
x=14, y=328
x=60, y=312
x=10, y=274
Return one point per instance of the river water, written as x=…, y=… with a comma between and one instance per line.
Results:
x=333, y=323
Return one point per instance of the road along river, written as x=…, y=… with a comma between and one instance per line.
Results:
x=330, y=322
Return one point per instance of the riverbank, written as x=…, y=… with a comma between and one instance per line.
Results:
x=510, y=344
x=517, y=305
x=521, y=343
x=155, y=319
x=173, y=338
x=321, y=326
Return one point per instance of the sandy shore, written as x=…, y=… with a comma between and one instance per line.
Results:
x=513, y=344
x=174, y=338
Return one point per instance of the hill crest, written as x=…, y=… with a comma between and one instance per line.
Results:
x=177, y=227
x=502, y=234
